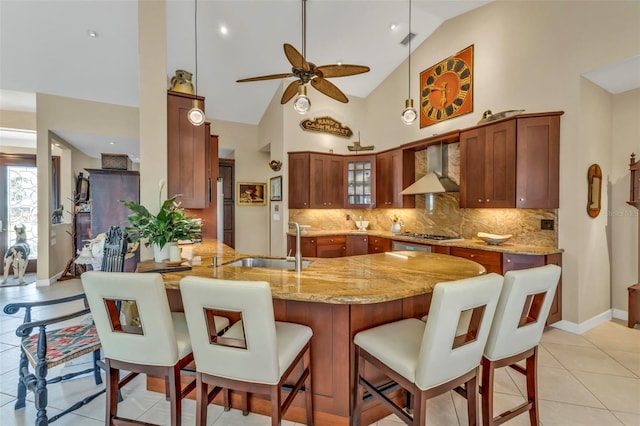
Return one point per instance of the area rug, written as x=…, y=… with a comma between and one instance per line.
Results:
x=13, y=282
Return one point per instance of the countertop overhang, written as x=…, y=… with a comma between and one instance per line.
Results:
x=364, y=279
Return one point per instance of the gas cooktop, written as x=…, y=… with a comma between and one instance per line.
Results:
x=430, y=236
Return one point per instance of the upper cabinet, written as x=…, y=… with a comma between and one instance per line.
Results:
x=315, y=181
x=189, y=170
x=395, y=170
x=359, y=181
x=511, y=163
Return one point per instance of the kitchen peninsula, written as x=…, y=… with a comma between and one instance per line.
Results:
x=337, y=298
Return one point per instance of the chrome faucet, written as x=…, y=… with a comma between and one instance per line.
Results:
x=298, y=256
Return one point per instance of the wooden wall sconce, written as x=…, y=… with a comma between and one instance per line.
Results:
x=594, y=177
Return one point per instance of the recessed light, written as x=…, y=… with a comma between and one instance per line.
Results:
x=393, y=27
x=57, y=144
x=339, y=63
x=224, y=30
x=92, y=33
x=112, y=143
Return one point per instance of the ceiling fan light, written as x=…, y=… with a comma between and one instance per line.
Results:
x=409, y=113
x=302, y=103
x=196, y=115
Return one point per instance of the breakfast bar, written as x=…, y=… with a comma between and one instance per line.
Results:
x=337, y=298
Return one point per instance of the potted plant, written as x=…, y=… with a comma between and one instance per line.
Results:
x=162, y=229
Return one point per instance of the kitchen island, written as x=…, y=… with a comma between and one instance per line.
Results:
x=337, y=298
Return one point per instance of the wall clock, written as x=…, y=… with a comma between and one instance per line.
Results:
x=446, y=89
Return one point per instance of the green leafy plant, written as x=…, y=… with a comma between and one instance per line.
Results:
x=170, y=224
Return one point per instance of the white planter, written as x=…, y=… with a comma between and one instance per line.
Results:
x=162, y=254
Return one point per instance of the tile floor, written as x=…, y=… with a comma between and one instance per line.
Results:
x=589, y=379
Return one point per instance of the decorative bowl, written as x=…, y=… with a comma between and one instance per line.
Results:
x=362, y=225
x=493, y=239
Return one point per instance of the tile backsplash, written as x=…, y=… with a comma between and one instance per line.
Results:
x=439, y=214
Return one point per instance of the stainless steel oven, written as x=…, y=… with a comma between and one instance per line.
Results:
x=402, y=246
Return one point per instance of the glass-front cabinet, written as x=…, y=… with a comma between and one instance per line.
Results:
x=360, y=191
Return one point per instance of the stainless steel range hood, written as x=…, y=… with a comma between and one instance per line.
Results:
x=436, y=179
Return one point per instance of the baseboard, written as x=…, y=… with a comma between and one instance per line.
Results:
x=587, y=325
x=620, y=314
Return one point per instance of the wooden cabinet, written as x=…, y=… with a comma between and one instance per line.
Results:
x=511, y=163
x=379, y=245
x=360, y=181
x=188, y=154
x=315, y=181
x=357, y=244
x=299, y=180
x=331, y=246
x=395, y=170
x=308, y=245
x=107, y=188
x=491, y=260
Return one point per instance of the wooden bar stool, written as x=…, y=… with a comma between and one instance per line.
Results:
x=428, y=359
x=515, y=333
x=634, y=305
x=155, y=342
x=256, y=355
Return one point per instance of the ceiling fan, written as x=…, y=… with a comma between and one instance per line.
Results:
x=308, y=72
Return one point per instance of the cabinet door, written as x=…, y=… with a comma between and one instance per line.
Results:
x=492, y=261
x=395, y=170
x=359, y=181
x=107, y=187
x=379, y=245
x=488, y=166
x=357, y=244
x=333, y=246
x=299, y=180
x=326, y=181
x=308, y=245
x=188, y=168
x=538, y=163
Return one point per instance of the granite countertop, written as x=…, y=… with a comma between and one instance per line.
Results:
x=365, y=279
x=507, y=247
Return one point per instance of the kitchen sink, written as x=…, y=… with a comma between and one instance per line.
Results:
x=260, y=262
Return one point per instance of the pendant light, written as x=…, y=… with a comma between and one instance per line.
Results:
x=409, y=113
x=302, y=103
x=195, y=114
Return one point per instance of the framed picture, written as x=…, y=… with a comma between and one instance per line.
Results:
x=446, y=89
x=252, y=193
x=275, y=188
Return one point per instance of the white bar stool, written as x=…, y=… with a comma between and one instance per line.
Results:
x=427, y=359
x=256, y=355
x=516, y=331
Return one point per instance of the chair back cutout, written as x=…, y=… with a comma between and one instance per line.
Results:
x=151, y=338
x=522, y=311
x=446, y=350
x=247, y=351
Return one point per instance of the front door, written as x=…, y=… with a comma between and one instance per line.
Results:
x=18, y=203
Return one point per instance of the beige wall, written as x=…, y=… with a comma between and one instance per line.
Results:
x=18, y=120
x=251, y=165
x=531, y=55
x=622, y=219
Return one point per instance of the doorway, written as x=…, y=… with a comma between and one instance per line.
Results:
x=18, y=203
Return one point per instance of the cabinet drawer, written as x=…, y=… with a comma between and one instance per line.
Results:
x=492, y=261
x=330, y=240
x=333, y=246
x=379, y=245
